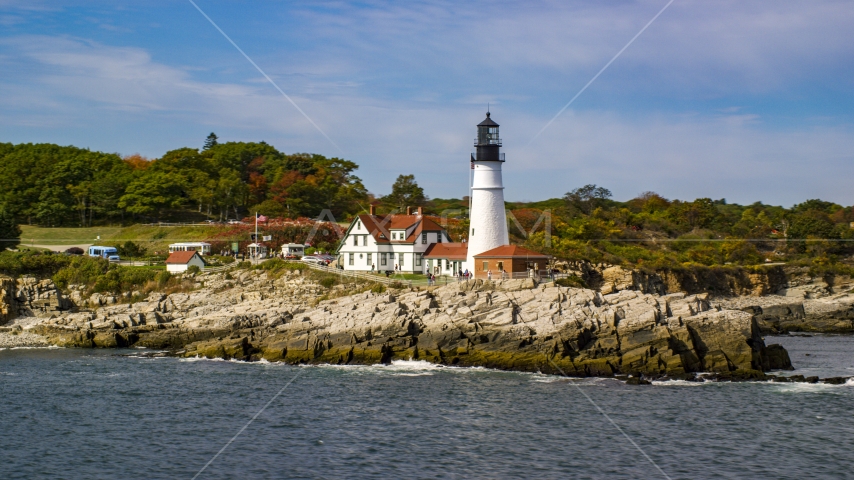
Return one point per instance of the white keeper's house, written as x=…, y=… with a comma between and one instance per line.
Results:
x=386, y=241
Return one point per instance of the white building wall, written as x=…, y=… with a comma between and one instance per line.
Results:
x=176, y=268
x=488, y=227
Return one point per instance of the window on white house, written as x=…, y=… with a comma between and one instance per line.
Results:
x=417, y=259
x=358, y=225
x=365, y=240
x=439, y=237
x=424, y=238
x=383, y=259
x=355, y=240
x=370, y=258
x=352, y=259
x=394, y=235
x=400, y=260
x=472, y=232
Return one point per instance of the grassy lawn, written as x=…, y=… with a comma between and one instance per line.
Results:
x=151, y=236
x=65, y=236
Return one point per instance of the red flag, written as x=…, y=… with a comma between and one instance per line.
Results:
x=262, y=218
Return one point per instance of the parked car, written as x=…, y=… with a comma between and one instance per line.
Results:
x=314, y=260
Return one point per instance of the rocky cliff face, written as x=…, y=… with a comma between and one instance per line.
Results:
x=30, y=297
x=8, y=309
x=509, y=325
x=770, y=280
x=775, y=314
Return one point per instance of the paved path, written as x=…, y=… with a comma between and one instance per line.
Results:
x=57, y=248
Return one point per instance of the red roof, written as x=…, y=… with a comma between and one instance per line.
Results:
x=451, y=251
x=183, y=258
x=381, y=225
x=505, y=251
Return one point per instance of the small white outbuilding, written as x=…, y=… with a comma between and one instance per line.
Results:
x=180, y=261
x=293, y=249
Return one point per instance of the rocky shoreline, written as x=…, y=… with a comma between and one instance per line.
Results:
x=21, y=339
x=511, y=325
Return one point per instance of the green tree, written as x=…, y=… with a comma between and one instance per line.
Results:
x=152, y=193
x=700, y=213
x=816, y=204
x=210, y=142
x=811, y=223
x=587, y=198
x=238, y=156
x=130, y=249
x=405, y=192
x=229, y=192
x=10, y=232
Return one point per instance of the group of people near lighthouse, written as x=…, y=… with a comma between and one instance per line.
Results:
x=462, y=275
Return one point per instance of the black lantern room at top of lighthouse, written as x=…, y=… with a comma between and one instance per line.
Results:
x=488, y=142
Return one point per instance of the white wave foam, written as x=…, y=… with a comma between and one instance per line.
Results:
x=678, y=383
x=42, y=347
x=412, y=365
x=262, y=362
x=400, y=368
x=800, y=387
x=200, y=359
x=541, y=378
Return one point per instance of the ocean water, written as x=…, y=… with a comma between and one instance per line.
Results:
x=121, y=414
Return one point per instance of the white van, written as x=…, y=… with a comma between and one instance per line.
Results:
x=110, y=253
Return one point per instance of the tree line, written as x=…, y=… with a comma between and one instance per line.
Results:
x=52, y=185
x=656, y=232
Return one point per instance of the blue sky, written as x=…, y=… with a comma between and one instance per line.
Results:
x=746, y=100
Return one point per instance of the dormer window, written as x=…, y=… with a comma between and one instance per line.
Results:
x=394, y=235
x=359, y=225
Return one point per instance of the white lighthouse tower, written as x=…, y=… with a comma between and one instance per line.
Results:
x=488, y=227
